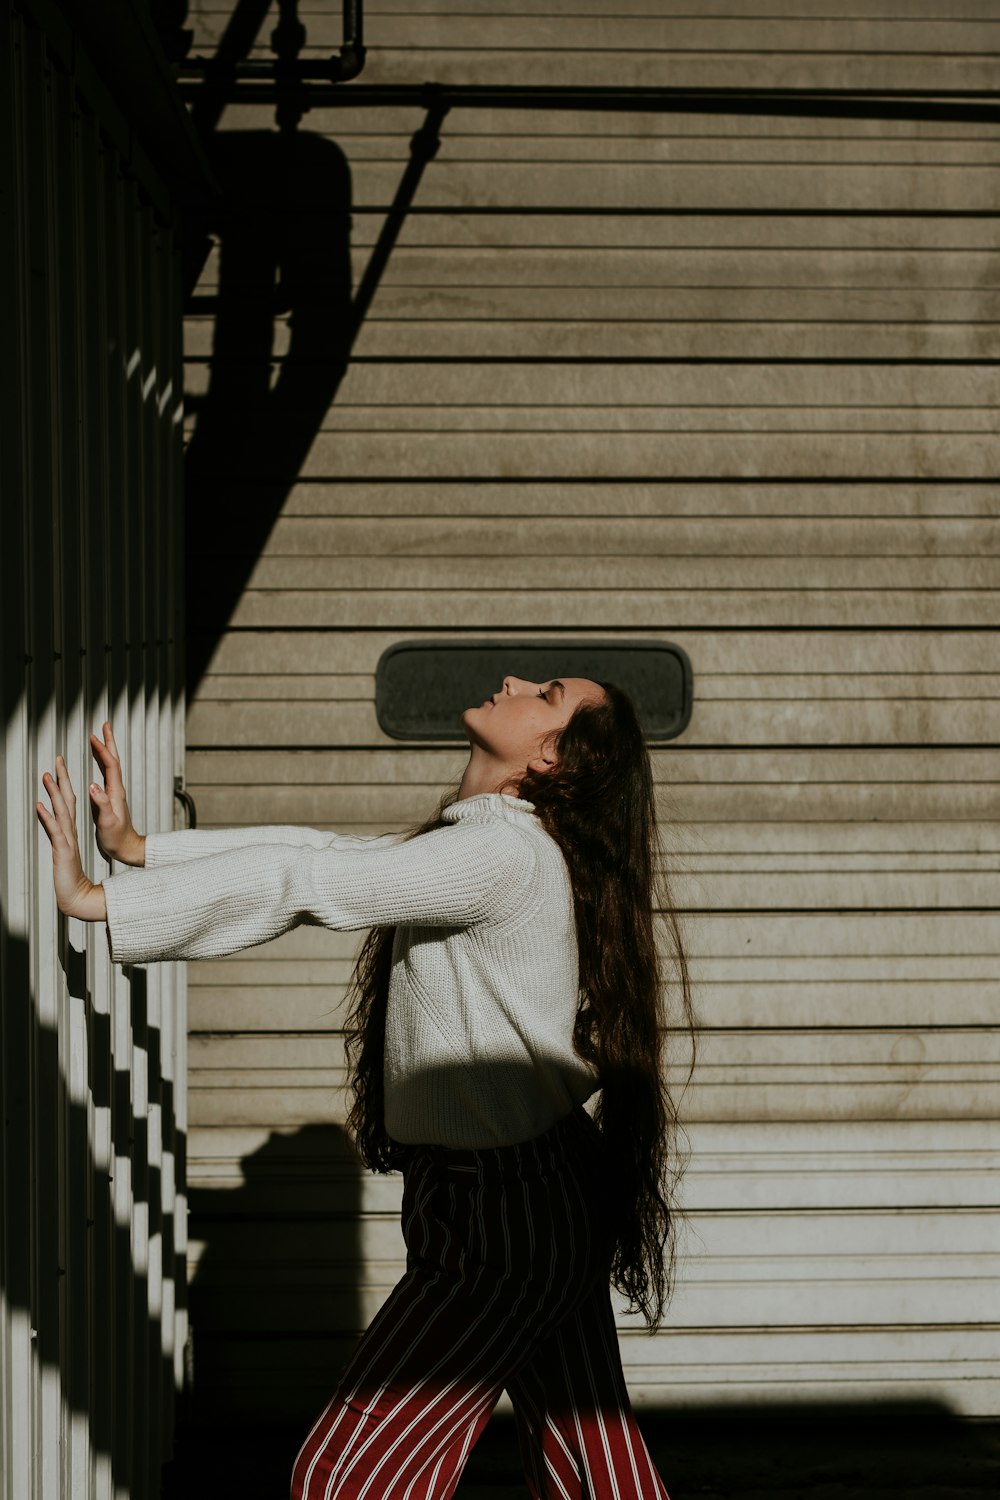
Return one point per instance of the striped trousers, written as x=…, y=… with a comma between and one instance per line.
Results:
x=506, y=1287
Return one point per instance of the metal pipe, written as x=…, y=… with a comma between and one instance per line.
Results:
x=339, y=67
x=348, y=62
x=253, y=84
x=282, y=78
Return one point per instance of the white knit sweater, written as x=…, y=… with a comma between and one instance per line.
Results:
x=484, y=985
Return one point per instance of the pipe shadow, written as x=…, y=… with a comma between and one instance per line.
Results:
x=284, y=253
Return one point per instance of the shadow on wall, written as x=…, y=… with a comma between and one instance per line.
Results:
x=275, y=1305
x=99, y=1338
x=284, y=255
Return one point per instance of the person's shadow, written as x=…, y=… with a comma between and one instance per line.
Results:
x=275, y=1308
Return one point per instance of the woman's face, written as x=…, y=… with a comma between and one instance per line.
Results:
x=515, y=722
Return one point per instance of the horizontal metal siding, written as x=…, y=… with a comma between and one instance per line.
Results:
x=722, y=379
x=94, y=1217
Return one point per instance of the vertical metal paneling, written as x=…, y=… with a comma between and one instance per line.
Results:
x=75, y=1301
x=94, y=557
x=45, y=615
x=91, y=1324
x=120, y=1029
x=16, y=1448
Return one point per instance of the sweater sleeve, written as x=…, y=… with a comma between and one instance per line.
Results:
x=451, y=877
x=196, y=843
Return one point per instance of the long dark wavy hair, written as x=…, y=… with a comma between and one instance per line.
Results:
x=598, y=803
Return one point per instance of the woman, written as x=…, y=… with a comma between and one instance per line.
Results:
x=509, y=975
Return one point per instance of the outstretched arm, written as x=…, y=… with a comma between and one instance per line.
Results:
x=454, y=876
x=451, y=877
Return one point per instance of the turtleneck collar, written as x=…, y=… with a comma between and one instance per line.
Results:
x=493, y=804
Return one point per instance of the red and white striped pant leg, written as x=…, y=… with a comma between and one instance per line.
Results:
x=497, y=1246
x=396, y=1431
x=578, y=1434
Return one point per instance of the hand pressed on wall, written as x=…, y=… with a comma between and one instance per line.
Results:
x=116, y=838
x=76, y=895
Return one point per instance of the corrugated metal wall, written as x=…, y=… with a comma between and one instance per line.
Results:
x=93, y=1316
x=724, y=380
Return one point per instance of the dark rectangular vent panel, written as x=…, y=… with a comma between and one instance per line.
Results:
x=422, y=687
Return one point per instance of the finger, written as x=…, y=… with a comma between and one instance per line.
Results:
x=51, y=786
x=66, y=785
x=59, y=808
x=110, y=764
x=99, y=750
x=102, y=808
x=110, y=768
x=50, y=820
x=47, y=821
x=109, y=738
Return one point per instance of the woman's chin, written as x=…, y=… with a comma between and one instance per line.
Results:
x=472, y=722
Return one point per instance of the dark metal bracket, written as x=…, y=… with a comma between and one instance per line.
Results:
x=286, y=67
x=184, y=796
